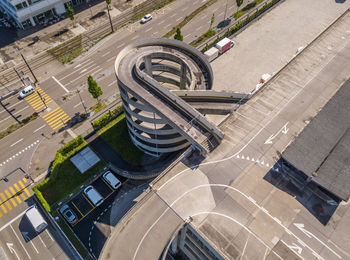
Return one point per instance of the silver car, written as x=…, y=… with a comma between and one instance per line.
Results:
x=146, y=18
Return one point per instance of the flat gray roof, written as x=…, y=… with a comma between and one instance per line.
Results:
x=322, y=149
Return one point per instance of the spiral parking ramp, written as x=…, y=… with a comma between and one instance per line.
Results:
x=159, y=121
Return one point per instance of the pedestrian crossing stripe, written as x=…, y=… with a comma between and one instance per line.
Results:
x=13, y=194
x=56, y=118
x=36, y=102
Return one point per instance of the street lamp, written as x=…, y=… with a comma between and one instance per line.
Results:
x=109, y=16
x=25, y=61
x=90, y=10
x=81, y=100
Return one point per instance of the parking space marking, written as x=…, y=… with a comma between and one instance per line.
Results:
x=25, y=250
x=89, y=200
x=107, y=186
x=10, y=198
x=77, y=209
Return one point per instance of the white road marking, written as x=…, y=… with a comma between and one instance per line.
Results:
x=16, y=142
x=161, y=22
x=82, y=75
x=300, y=226
x=171, y=16
x=36, y=130
x=17, y=154
x=49, y=234
x=108, y=52
x=187, y=35
x=11, y=106
x=110, y=84
x=245, y=246
x=81, y=63
x=75, y=71
x=59, y=83
x=87, y=68
x=42, y=241
x=148, y=29
x=112, y=58
x=12, y=250
x=27, y=239
x=77, y=105
x=19, y=111
x=198, y=28
x=178, y=19
x=283, y=130
x=294, y=247
x=20, y=241
x=96, y=71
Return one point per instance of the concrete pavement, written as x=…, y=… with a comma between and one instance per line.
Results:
x=231, y=204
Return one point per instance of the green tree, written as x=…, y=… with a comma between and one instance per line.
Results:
x=212, y=20
x=108, y=2
x=70, y=13
x=94, y=88
x=239, y=3
x=178, y=35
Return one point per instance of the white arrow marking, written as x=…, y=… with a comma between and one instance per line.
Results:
x=283, y=130
x=309, y=234
x=295, y=248
x=27, y=239
x=12, y=250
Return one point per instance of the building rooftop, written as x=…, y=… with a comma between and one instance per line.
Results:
x=322, y=149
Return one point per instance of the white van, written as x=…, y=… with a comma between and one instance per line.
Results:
x=36, y=219
x=93, y=196
x=26, y=91
x=112, y=180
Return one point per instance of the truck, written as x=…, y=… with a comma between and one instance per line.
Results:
x=211, y=54
x=224, y=45
x=36, y=219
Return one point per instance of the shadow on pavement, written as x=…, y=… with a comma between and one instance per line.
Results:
x=319, y=202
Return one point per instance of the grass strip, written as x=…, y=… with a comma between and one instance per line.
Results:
x=189, y=18
x=117, y=136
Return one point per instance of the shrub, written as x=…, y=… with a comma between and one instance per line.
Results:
x=108, y=117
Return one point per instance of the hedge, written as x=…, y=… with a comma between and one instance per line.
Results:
x=108, y=117
x=62, y=154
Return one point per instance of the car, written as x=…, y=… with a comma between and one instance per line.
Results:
x=112, y=180
x=26, y=91
x=68, y=214
x=146, y=18
x=93, y=196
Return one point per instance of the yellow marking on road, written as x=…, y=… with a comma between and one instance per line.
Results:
x=49, y=114
x=89, y=200
x=56, y=118
x=3, y=207
x=6, y=202
x=10, y=198
x=107, y=185
x=20, y=191
x=35, y=100
x=55, y=126
x=77, y=209
x=25, y=180
x=24, y=188
x=15, y=195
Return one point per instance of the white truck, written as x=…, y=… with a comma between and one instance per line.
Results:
x=36, y=219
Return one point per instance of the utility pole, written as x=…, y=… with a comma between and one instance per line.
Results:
x=81, y=100
x=225, y=13
x=25, y=61
x=110, y=20
x=19, y=75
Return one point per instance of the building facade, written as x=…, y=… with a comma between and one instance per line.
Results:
x=28, y=13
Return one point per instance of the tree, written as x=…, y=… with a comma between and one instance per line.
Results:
x=178, y=35
x=239, y=3
x=94, y=88
x=212, y=21
x=108, y=2
x=70, y=13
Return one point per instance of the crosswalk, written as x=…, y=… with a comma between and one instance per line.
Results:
x=37, y=102
x=13, y=195
x=56, y=118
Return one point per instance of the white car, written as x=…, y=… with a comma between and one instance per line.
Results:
x=146, y=18
x=112, y=180
x=93, y=196
x=26, y=91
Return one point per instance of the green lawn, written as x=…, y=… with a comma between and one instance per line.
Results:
x=68, y=179
x=116, y=135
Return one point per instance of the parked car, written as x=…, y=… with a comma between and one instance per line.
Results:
x=26, y=91
x=146, y=18
x=36, y=219
x=112, y=180
x=68, y=214
x=93, y=196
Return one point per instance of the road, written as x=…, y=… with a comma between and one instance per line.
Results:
x=227, y=194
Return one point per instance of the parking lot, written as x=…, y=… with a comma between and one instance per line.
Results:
x=82, y=206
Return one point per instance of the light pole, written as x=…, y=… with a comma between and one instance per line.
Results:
x=20, y=76
x=225, y=12
x=90, y=10
x=109, y=16
x=42, y=99
x=25, y=61
x=81, y=100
